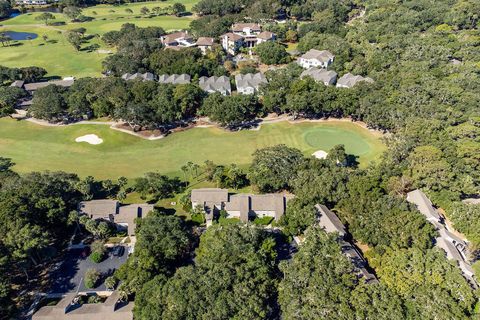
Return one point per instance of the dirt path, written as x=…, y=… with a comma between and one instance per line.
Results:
x=49, y=124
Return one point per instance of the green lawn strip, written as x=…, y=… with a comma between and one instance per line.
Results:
x=102, y=26
x=34, y=148
x=56, y=55
x=104, y=10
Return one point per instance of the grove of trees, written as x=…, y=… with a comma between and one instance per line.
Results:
x=424, y=60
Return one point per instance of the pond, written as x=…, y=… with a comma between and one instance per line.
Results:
x=15, y=13
x=14, y=35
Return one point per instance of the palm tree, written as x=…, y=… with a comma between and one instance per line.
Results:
x=190, y=167
x=3, y=39
x=195, y=167
x=184, y=170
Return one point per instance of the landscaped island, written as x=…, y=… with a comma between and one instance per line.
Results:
x=33, y=147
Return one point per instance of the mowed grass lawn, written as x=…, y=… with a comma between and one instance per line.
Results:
x=35, y=148
x=59, y=58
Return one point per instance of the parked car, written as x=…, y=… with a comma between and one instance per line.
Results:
x=118, y=251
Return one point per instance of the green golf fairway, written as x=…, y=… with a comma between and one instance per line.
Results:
x=50, y=50
x=34, y=148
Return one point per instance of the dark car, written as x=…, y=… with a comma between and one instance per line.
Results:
x=118, y=251
x=85, y=252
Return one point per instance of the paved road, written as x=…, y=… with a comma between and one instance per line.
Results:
x=69, y=276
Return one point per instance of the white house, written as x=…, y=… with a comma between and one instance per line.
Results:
x=205, y=43
x=216, y=84
x=31, y=2
x=232, y=42
x=241, y=206
x=245, y=35
x=147, y=76
x=349, y=80
x=265, y=36
x=328, y=77
x=249, y=83
x=174, y=78
x=455, y=248
x=246, y=29
x=177, y=39
x=316, y=58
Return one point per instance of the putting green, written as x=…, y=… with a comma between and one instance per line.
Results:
x=34, y=148
x=325, y=138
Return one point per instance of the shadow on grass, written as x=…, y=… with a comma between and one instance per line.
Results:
x=15, y=44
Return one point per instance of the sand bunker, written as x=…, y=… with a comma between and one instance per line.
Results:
x=320, y=154
x=89, y=138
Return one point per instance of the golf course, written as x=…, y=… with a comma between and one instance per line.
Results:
x=35, y=148
x=50, y=50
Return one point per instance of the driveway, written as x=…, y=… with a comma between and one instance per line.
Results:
x=70, y=273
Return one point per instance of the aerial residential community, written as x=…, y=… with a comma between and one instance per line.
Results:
x=235, y=159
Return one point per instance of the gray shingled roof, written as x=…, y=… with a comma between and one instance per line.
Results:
x=127, y=214
x=98, y=208
x=17, y=83
x=329, y=221
x=147, y=76
x=37, y=85
x=349, y=80
x=213, y=195
x=250, y=80
x=320, y=55
x=320, y=75
x=424, y=205
x=449, y=248
x=358, y=262
x=174, y=78
x=471, y=201
x=215, y=83
x=444, y=233
x=241, y=203
x=244, y=203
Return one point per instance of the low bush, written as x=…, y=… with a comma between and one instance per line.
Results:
x=91, y=278
x=96, y=257
x=198, y=218
x=264, y=221
x=228, y=221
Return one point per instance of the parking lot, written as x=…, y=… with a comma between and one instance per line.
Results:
x=70, y=273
